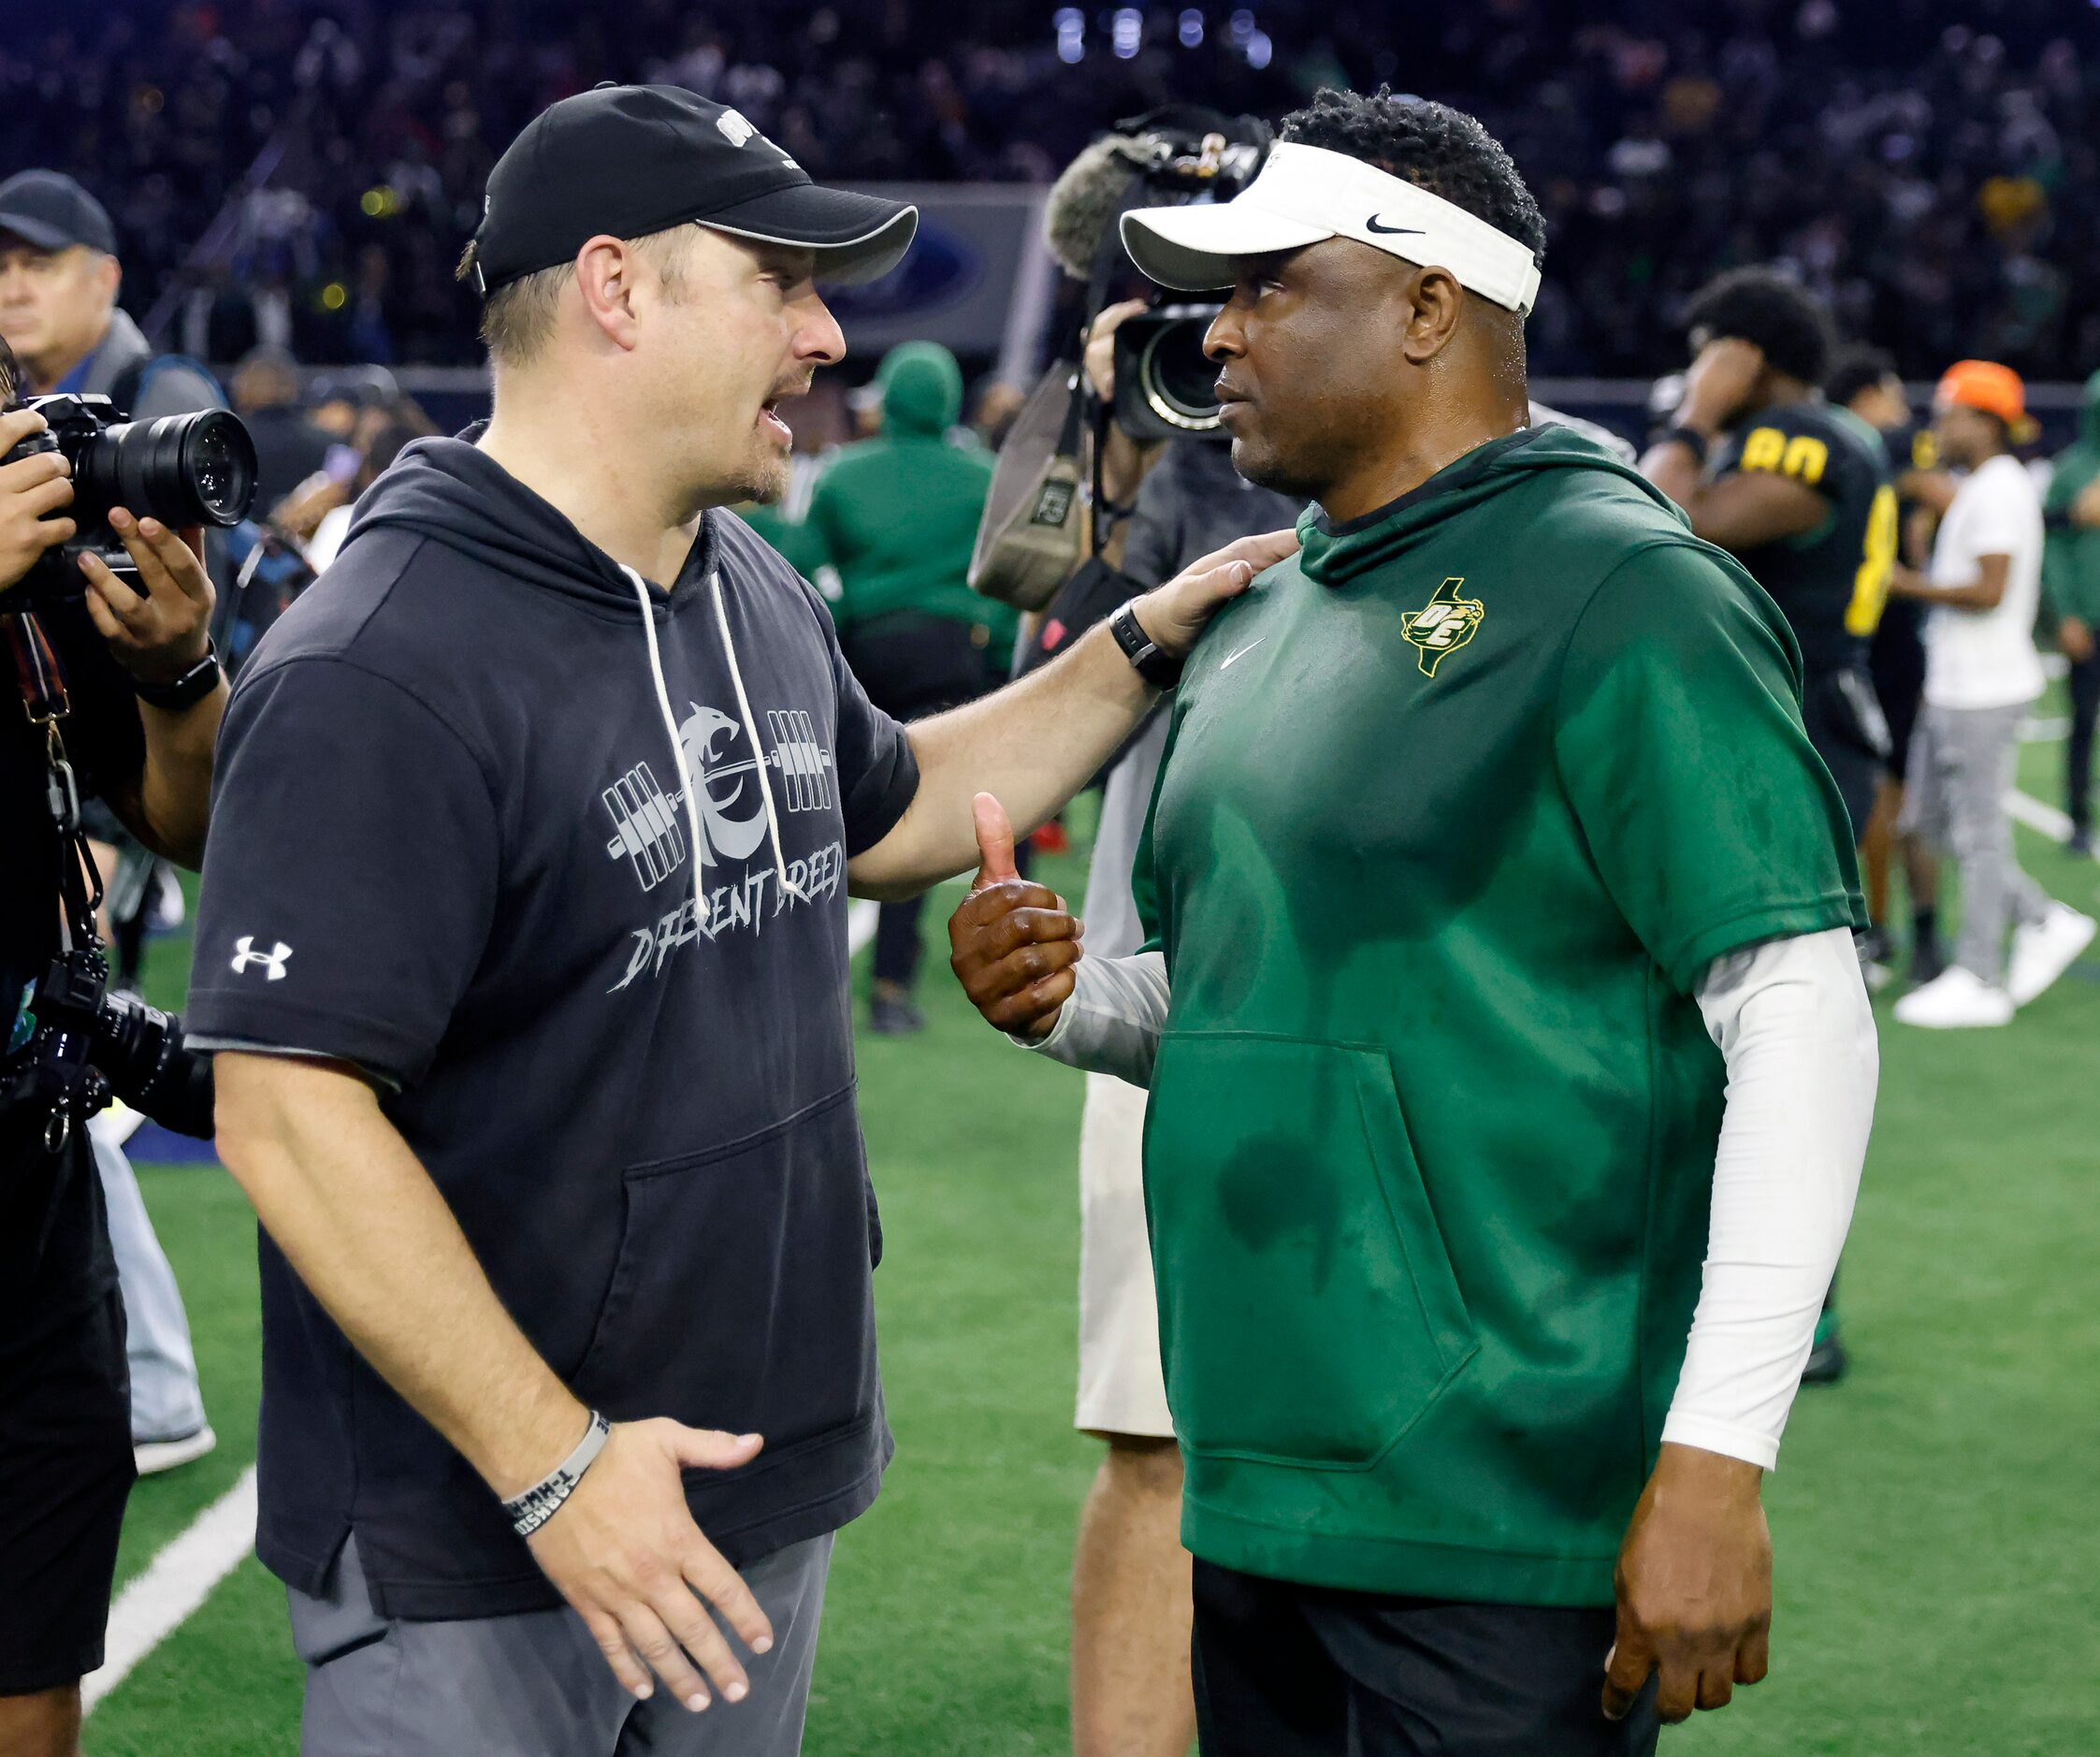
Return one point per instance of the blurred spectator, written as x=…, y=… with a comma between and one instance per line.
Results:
x=340, y=400
x=1937, y=184
x=999, y=403
x=316, y=516
x=897, y=515
x=2071, y=582
x=288, y=447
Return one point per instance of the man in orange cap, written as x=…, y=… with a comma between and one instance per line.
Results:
x=1981, y=673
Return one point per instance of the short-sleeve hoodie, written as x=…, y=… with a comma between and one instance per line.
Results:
x=452, y=844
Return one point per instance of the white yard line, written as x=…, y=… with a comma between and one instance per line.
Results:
x=177, y=1581
x=861, y=916
x=2037, y=816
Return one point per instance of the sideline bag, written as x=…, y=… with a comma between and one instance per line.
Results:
x=1033, y=532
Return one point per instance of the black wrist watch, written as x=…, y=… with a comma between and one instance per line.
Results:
x=1157, y=667
x=186, y=691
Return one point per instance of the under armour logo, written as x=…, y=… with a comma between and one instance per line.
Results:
x=735, y=126
x=244, y=954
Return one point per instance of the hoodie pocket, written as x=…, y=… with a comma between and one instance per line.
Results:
x=741, y=1298
x=1308, y=1312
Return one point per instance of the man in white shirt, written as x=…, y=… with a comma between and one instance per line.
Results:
x=1981, y=675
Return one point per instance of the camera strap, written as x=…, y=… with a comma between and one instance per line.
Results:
x=42, y=681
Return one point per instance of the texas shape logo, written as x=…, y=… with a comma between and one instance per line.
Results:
x=1443, y=625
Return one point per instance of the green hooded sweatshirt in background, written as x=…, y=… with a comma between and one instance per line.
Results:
x=897, y=515
x=2071, y=560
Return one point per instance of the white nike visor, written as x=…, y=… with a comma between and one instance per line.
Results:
x=1307, y=193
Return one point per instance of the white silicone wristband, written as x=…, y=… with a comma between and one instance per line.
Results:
x=530, y=1511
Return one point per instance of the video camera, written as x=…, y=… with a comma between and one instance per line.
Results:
x=183, y=470
x=1032, y=536
x=1165, y=385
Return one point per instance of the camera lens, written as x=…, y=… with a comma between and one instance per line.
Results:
x=1178, y=382
x=141, y=1051
x=182, y=468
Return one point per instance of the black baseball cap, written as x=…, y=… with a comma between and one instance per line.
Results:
x=51, y=210
x=630, y=160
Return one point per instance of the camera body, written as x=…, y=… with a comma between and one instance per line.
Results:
x=183, y=470
x=88, y=1045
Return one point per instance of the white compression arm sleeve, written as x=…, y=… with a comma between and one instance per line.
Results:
x=1113, y=1022
x=1794, y=1027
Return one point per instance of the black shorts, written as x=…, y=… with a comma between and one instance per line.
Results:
x=1303, y=1671
x=1896, y=659
x=1847, y=734
x=66, y=1469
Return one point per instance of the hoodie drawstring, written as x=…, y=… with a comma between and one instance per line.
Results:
x=687, y=782
x=751, y=732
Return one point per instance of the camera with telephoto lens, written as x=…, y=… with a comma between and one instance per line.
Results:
x=183, y=470
x=87, y=1045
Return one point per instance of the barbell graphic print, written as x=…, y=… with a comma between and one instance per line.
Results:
x=647, y=825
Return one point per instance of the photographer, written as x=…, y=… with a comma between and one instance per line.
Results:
x=139, y=738
x=59, y=280
x=59, y=276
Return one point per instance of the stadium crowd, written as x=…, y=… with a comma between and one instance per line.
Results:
x=1939, y=184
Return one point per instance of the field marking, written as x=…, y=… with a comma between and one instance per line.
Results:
x=2037, y=816
x=861, y=917
x=175, y=1583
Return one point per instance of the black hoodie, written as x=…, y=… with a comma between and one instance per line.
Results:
x=451, y=844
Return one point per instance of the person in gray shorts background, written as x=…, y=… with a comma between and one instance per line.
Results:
x=1981, y=676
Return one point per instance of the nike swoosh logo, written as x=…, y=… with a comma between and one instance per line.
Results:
x=1391, y=231
x=1242, y=653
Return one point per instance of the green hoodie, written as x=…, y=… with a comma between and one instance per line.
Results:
x=2071, y=560
x=897, y=515
x=1458, y=806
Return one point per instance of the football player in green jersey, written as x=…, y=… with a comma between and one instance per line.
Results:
x=1499, y=1009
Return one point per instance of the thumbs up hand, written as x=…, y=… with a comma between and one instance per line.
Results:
x=1013, y=944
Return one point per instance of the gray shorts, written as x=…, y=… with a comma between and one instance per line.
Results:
x=535, y=1685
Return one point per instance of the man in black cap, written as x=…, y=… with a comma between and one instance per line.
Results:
x=523, y=945
x=59, y=278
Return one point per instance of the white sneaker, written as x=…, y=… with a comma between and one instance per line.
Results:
x=2043, y=952
x=154, y=1456
x=1955, y=998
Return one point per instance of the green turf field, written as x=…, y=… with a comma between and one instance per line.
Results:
x=1938, y=1547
